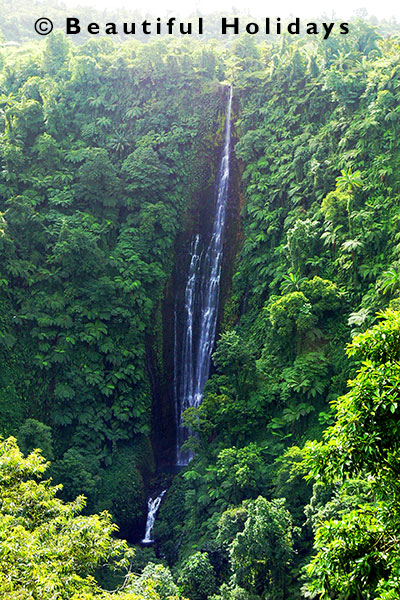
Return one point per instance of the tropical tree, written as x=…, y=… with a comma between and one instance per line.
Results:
x=348, y=181
x=390, y=281
x=358, y=555
x=47, y=548
x=197, y=577
x=262, y=548
x=292, y=282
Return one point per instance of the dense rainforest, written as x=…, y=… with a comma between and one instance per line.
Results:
x=110, y=153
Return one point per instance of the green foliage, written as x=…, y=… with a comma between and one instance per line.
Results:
x=121, y=488
x=334, y=209
x=336, y=500
x=233, y=358
x=197, y=577
x=34, y=434
x=56, y=53
x=164, y=584
x=101, y=147
x=319, y=147
x=292, y=282
x=260, y=546
x=48, y=549
x=323, y=295
x=348, y=181
x=233, y=592
x=289, y=483
x=365, y=433
x=240, y=472
x=291, y=314
x=390, y=282
x=106, y=153
x=302, y=238
x=358, y=549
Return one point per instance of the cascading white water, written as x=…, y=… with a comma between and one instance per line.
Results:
x=153, y=504
x=201, y=306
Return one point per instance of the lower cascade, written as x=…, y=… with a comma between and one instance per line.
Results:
x=193, y=348
x=153, y=504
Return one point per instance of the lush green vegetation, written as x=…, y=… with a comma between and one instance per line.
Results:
x=318, y=143
x=108, y=151
x=49, y=550
x=102, y=149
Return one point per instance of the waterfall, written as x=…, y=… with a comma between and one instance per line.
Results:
x=152, y=507
x=201, y=306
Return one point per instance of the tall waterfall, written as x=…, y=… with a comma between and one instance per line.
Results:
x=193, y=348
